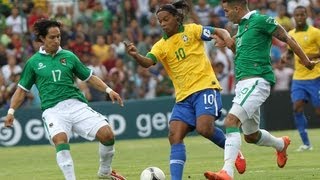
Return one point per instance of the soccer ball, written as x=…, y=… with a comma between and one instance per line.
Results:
x=152, y=173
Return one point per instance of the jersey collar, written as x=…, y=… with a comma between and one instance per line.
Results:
x=42, y=51
x=181, y=29
x=304, y=29
x=247, y=16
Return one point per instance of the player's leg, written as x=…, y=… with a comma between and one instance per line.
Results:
x=59, y=130
x=208, y=106
x=177, y=131
x=299, y=95
x=92, y=125
x=181, y=122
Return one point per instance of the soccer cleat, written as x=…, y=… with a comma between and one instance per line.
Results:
x=282, y=155
x=240, y=163
x=304, y=148
x=112, y=176
x=221, y=175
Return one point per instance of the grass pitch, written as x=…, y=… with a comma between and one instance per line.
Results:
x=132, y=156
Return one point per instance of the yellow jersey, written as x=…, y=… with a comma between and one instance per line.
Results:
x=183, y=57
x=309, y=40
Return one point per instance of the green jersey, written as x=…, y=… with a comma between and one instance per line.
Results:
x=54, y=76
x=253, y=44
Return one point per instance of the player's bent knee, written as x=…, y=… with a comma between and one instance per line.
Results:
x=251, y=138
x=60, y=138
x=105, y=134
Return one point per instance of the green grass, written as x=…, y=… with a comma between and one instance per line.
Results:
x=132, y=156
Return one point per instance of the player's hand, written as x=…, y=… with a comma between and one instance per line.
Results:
x=8, y=122
x=218, y=42
x=131, y=49
x=312, y=63
x=116, y=97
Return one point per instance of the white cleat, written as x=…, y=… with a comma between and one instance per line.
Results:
x=305, y=148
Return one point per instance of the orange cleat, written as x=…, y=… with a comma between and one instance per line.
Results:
x=282, y=155
x=221, y=175
x=240, y=163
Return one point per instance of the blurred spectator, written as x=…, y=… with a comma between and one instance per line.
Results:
x=80, y=46
x=3, y=55
x=36, y=14
x=62, y=16
x=102, y=14
x=272, y=8
x=118, y=45
x=283, y=76
x=16, y=21
x=203, y=11
x=152, y=28
x=128, y=13
x=100, y=49
x=97, y=30
x=134, y=32
x=83, y=15
x=10, y=69
x=283, y=19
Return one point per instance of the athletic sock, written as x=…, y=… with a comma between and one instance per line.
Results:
x=232, y=147
x=65, y=161
x=106, y=152
x=218, y=137
x=266, y=139
x=301, y=124
x=177, y=160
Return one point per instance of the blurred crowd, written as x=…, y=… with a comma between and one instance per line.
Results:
x=95, y=30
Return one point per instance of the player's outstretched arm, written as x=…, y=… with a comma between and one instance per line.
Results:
x=133, y=52
x=225, y=36
x=281, y=34
x=98, y=84
x=16, y=100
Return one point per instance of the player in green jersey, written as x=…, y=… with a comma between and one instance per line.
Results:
x=65, y=110
x=255, y=77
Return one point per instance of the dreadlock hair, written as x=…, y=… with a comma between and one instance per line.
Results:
x=42, y=26
x=179, y=9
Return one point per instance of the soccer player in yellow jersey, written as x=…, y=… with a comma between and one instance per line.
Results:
x=198, y=102
x=306, y=83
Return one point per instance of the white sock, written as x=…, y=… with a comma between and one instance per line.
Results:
x=231, y=149
x=106, y=155
x=269, y=140
x=65, y=163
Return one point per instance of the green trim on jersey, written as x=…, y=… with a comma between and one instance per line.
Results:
x=248, y=94
x=152, y=56
x=180, y=30
x=253, y=46
x=54, y=77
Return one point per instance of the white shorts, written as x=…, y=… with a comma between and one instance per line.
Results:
x=73, y=116
x=250, y=94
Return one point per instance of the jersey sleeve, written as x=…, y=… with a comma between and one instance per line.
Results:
x=27, y=78
x=267, y=24
x=156, y=53
x=80, y=70
x=202, y=32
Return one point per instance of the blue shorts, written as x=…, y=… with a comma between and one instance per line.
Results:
x=307, y=90
x=204, y=102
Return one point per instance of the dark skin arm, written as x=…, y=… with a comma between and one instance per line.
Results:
x=281, y=34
